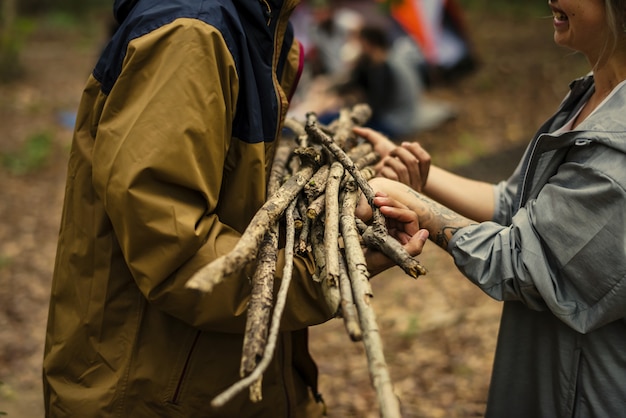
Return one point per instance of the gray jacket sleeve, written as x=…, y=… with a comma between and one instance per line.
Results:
x=564, y=250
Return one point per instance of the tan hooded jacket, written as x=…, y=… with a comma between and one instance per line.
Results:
x=171, y=154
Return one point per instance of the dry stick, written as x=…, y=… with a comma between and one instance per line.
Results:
x=261, y=299
x=298, y=222
x=316, y=195
x=316, y=238
x=245, y=249
x=312, y=128
x=348, y=308
x=359, y=277
x=317, y=184
x=329, y=287
x=303, y=242
x=331, y=224
x=348, y=118
x=262, y=295
x=374, y=238
x=360, y=150
x=316, y=207
x=410, y=265
x=361, y=113
x=279, y=165
x=366, y=160
x=259, y=308
x=343, y=128
x=279, y=307
x=296, y=127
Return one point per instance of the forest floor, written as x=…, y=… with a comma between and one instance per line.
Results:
x=438, y=332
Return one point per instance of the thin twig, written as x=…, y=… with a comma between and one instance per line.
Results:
x=279, y=307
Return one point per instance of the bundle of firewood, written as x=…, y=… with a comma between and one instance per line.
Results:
x=317, y=177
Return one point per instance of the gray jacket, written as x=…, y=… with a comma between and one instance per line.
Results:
x=555, y=252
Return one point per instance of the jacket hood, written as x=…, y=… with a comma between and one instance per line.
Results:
x=608, y=125
x=121, y=8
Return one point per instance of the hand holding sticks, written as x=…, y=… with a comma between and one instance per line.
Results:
x=322, y=175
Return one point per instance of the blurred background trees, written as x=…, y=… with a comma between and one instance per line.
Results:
x=18, y=19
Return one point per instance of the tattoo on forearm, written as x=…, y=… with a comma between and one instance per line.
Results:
x=435, y=216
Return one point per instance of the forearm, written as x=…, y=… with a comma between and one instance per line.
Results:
x=470, y=198
x=441, y=222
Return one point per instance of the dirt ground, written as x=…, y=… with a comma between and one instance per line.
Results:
x=438, y=331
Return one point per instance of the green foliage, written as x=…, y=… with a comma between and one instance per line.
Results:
x=412, y=329
x=32, y=156
x=61, y=20
x=13, y=34
x=469, y=147
x=4, y=261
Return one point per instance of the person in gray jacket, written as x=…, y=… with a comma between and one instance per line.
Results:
x=551, y=240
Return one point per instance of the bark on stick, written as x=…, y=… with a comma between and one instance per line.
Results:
x=247, y=246
x=359, y=276
x=281, y=299
x=259, y=309
x=331, y=224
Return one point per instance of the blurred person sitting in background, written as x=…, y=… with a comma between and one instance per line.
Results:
x=387, y=80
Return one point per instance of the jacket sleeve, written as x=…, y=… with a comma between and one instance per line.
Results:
x=563, y=251
x=505, y=197
x=158, y=167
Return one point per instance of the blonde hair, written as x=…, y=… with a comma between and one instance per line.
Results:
x=616, y=19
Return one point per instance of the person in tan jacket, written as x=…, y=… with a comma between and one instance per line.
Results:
x=172, y=149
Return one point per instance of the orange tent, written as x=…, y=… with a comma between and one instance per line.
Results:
x=412, y=19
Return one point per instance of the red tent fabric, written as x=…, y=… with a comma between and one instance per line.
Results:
x=435, y=25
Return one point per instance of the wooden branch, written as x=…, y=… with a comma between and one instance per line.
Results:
x=330, y=287
x=331, y=224
x=316, y=207
x=317, y=246
x=316, y=133
x=360, y=150
x=317, y=185
x=343, y=129
x=366, y=160
x=380, y=240
x=281, y=299
x=297, y=185
x=303, y=242
x=245, y=249
x=259, y=308
x=297, y=218
x=359, y=276
x=279, y=167
x=348, y=308
x=361, y=113
x=348, y=119
x=296, y=127
x=379, y=235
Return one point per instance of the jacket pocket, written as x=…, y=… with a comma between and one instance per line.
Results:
x=181, y=370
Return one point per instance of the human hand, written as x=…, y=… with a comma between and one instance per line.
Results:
x=385, y=187
x=381, y=144
x=402, y=225
x=407, y=163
